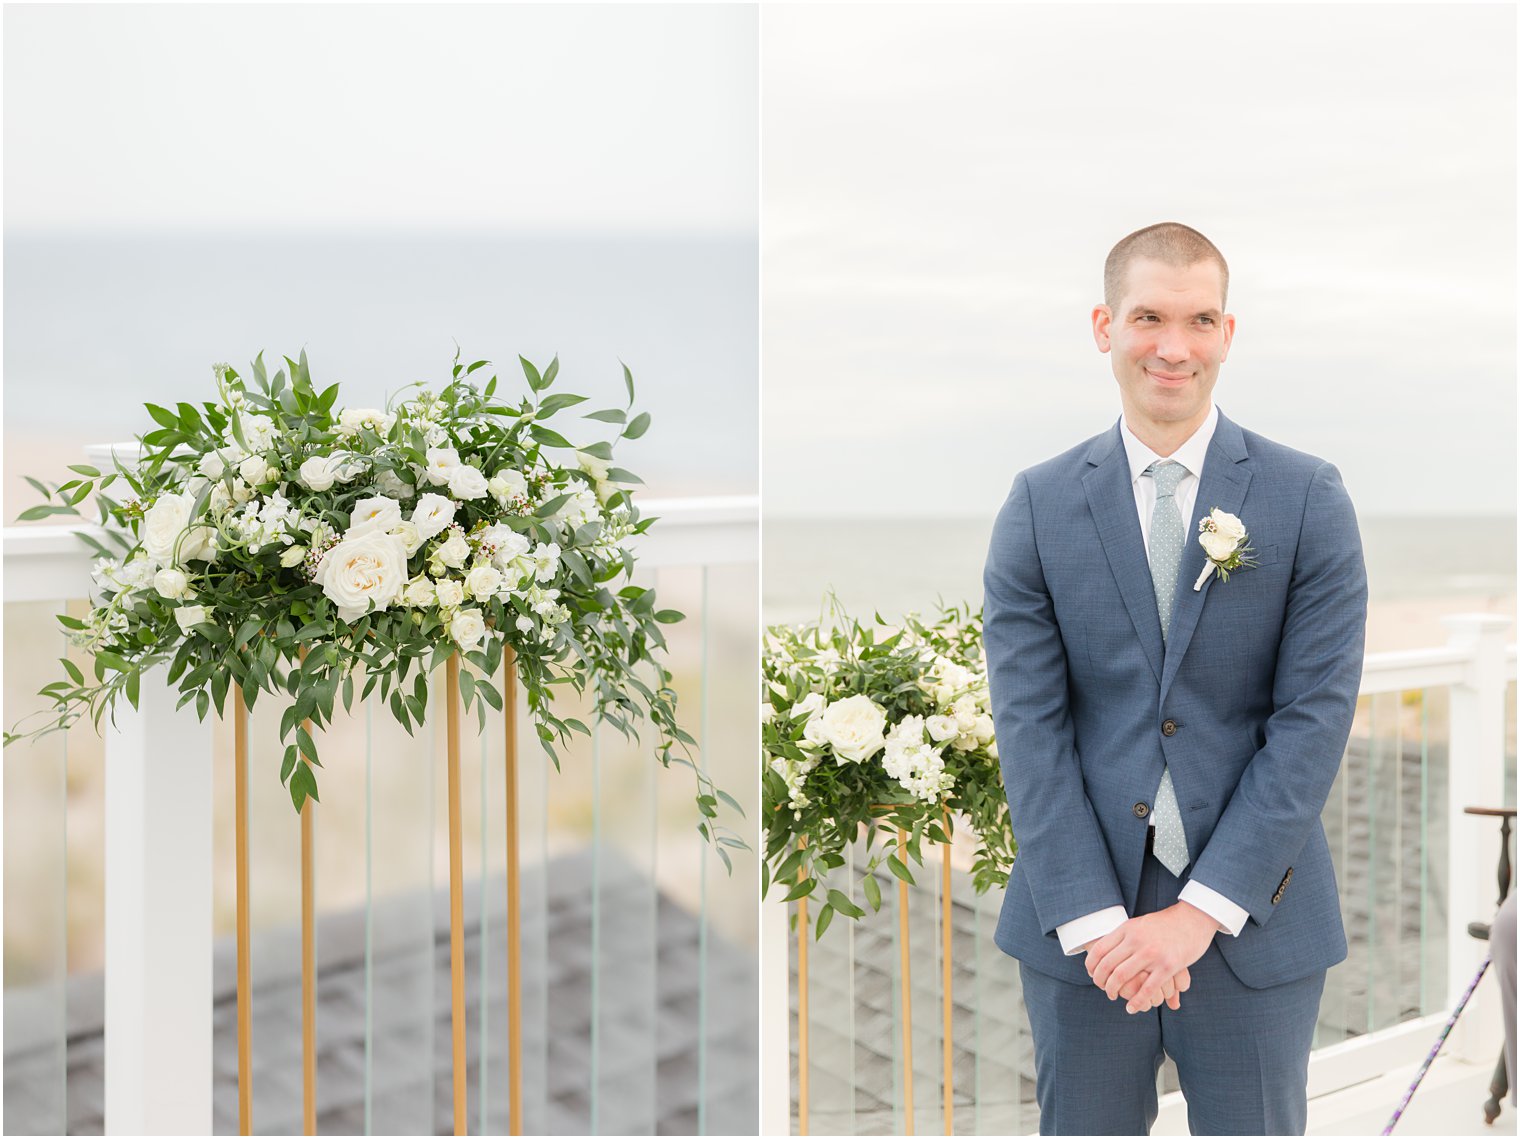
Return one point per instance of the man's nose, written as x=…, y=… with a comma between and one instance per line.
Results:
x=1172, y=346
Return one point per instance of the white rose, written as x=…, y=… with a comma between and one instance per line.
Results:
x=1217, y=545
x=410, y=537
x=373, y=514
x=164, y=527
x=983, y=729
x=352, y=419
x=1228, y=524
x=454, y=550
x=432, y=515
x=363, y=569
x=942, y=728
x=241, y=492
x=441, y=463
x=252, y=468
x=294, y=556
x=171, y=583
x=212, y=465
x=189, y=615
x=420, y=593
x=483, y=581
x=319, y=472
x=810, y=705
x=467, y=628
x=450, y=593
x=466, y=482
x=392, y=485
x=854, y=728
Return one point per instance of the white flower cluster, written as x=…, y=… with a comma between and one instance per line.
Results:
x=915, y=763
x=963, y=715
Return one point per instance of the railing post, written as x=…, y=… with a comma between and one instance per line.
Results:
x=158, y=856
x=1476, y=766
x=775, y=1017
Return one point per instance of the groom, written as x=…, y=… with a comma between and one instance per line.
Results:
x=1169, y=737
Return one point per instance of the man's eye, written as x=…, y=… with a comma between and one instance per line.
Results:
x=1207, y=319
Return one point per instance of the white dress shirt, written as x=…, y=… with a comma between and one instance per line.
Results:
x=1078, y=933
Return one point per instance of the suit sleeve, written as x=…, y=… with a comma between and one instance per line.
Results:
x=1063, y=852
x=1282, y=791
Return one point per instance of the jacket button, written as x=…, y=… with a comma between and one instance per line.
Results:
x=1141, y=810
x=1169, y=727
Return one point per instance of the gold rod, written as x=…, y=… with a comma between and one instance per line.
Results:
x=514, y=915
x=802, y=1007
x=240, y=843
x=945, y=941
x=456, y=902
x=907, y=986
x=308, y=971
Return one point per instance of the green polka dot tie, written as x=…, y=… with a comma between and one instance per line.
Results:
x=1165, y=553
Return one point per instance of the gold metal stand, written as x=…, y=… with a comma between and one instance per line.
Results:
x=945, y=939
x=308, y=969
x=802, y=1010
x=907, y=986
x=514, y=907
x=240, y=843
x=456, y=902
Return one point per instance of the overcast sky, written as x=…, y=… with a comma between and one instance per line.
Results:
x=351, y=116
x=940, y=188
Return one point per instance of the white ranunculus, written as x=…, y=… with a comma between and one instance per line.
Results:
x=172, y=583
x=465, y=482
x=467, y=628
x=450, y=593
x=454, y=551
x=432, y=515
x=441, y=463
x=483, y=581
x=358, y=571
x=252, y=469
x=410, y=537
x=164, y=527
x=420, y=592
x=293, y=556
x=373, y=514
x=854, y=727
x=319, y=472
x=189, y=615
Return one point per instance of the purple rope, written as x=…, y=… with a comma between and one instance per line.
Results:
x=1440, y=1040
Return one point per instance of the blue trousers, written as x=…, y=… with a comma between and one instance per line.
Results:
x=1242, y=1054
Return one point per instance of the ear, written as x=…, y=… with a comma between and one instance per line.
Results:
x=1102, y=317
x=1229, y=335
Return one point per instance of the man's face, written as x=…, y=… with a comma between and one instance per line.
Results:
x=1167, y=338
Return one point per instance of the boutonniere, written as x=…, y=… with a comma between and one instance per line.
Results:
x=1226, y=546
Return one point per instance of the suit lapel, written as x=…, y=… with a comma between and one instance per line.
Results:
x=1111, y=497
x=1225, y=479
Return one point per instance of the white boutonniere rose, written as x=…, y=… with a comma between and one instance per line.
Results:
x=1226, y=546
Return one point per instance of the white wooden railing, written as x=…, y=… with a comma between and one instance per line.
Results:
x=158, y=830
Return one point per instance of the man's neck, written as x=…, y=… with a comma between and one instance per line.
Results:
x=1163, y=438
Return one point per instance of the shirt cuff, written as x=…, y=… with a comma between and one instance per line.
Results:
x=1230, y=917
x=1076, y=934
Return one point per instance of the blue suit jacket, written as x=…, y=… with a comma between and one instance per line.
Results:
x=1257, y=680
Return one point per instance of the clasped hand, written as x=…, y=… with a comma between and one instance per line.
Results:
x=1146, y=959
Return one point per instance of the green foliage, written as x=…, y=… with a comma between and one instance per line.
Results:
x=936, y=762
x=240, y=620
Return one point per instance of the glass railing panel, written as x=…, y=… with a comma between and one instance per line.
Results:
x=1509, y=744
x=36, y=886
x=1435, y=846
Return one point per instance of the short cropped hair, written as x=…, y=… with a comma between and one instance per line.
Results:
x=1169, y=242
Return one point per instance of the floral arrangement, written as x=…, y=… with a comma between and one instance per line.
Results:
x=871, y=726
x=1226, y=546
x=275, y=542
